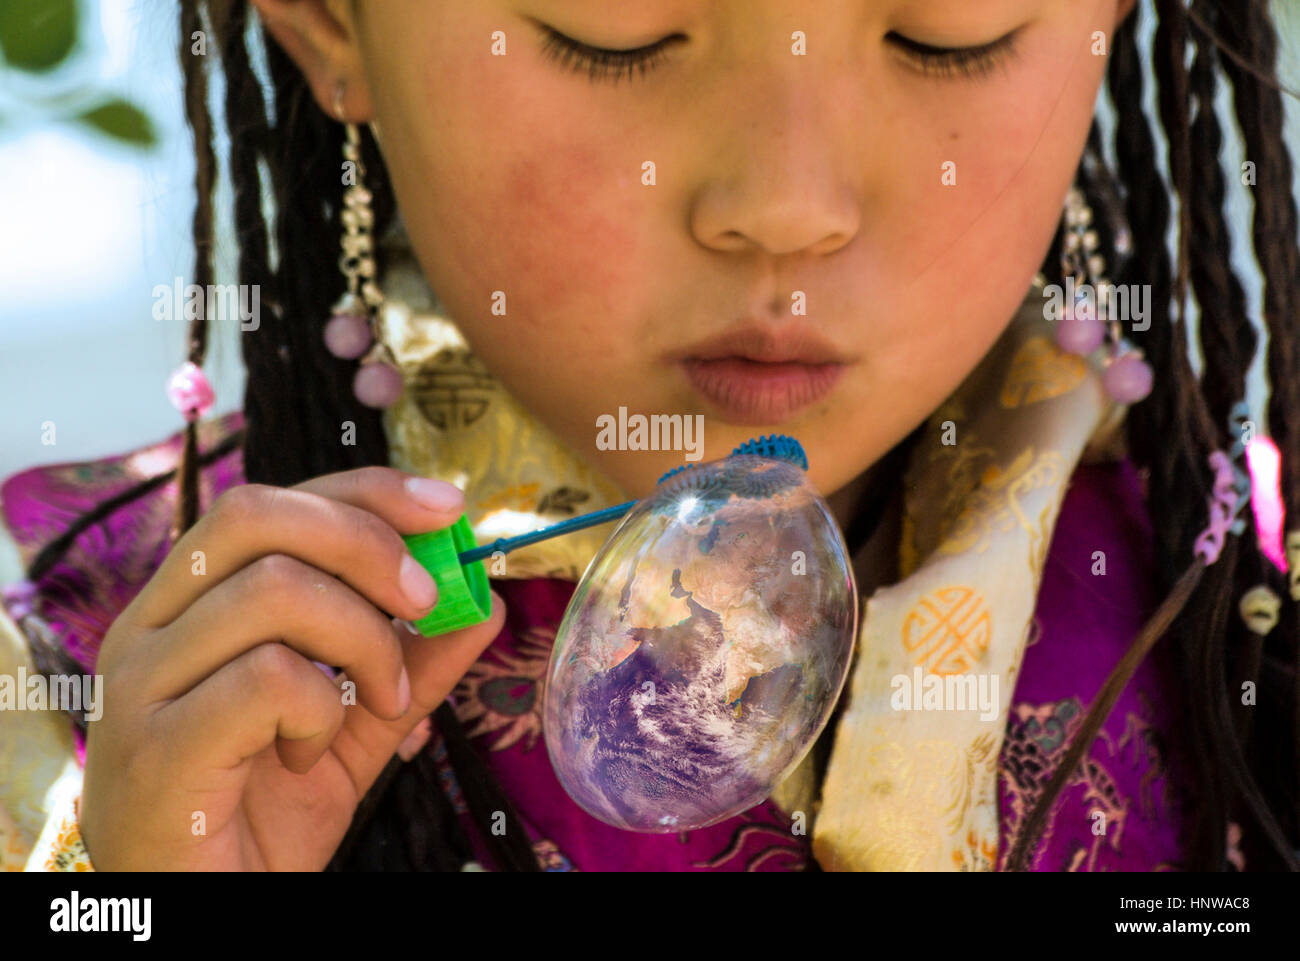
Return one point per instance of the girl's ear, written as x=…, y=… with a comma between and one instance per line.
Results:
x=320, y=37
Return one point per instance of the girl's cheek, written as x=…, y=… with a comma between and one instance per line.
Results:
x=558, y=230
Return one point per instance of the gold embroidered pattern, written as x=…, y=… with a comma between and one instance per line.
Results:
x=69, y=852
x=920, y=794
x=996, y=506
x=948, y=630
x=453, y=390
x=1040, y=371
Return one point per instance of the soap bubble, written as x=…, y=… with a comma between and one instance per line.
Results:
x=704, y=649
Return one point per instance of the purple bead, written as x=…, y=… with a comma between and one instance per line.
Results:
x=1128, y=379
x=1079, y=333
x=347, y=336
x=189, y=391
x=378, y=385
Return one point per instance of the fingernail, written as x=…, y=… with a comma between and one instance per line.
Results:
x=404, y=691
x=434, y=494
x=417, y=584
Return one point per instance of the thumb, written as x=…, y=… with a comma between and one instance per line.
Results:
x=366, y=743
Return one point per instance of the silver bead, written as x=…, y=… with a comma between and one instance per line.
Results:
x=357, y=245
x=349, y=303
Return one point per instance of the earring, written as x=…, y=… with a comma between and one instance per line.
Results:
x=349, y=333
x=1127, y=378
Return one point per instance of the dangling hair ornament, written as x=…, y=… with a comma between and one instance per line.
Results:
x=1127, y=378
x=1231, y=491
x=349, y=334
x=1259, y=609
x=190, y=392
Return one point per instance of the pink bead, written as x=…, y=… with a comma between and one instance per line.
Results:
x=1079, y=332
x=347, y=336
x=378, y=385
x=20, y=598
x=1128, y=379
x=189, y=391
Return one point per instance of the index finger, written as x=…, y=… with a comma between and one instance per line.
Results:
x=346, y=524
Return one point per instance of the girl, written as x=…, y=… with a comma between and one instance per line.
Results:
x=822, y=223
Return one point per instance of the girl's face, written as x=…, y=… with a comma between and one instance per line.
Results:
x=792, y=218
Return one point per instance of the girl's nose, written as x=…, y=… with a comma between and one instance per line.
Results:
x=780, y=180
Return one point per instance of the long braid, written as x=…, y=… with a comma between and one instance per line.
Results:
x=1195, y=433
x=1227, y=337
x=205, y=164
x=1148, y=424
x=1152, y=424
x=1181, y=501
x=1147, y=210
x=1274, y=234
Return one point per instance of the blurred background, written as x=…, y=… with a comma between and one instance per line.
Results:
x=97, y=198
x=97, y=201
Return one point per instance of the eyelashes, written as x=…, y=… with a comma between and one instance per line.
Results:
x=601, y=64
x=970, y=62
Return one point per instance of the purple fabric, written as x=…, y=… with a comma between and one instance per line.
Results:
x=1084, y=621
x=82, y=594
x=1087, y=620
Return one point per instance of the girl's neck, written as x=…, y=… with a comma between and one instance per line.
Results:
x=869, y=511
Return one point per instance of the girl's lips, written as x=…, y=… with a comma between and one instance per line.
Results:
x=753, y=393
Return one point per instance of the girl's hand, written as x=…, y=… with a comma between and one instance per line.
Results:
x=221, y=745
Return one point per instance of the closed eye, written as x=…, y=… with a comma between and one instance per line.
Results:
x=601, y=63
x=972, y=62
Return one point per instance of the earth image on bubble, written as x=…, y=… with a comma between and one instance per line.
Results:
x=704, y=649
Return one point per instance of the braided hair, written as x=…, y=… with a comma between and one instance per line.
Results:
x=1246, y=765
